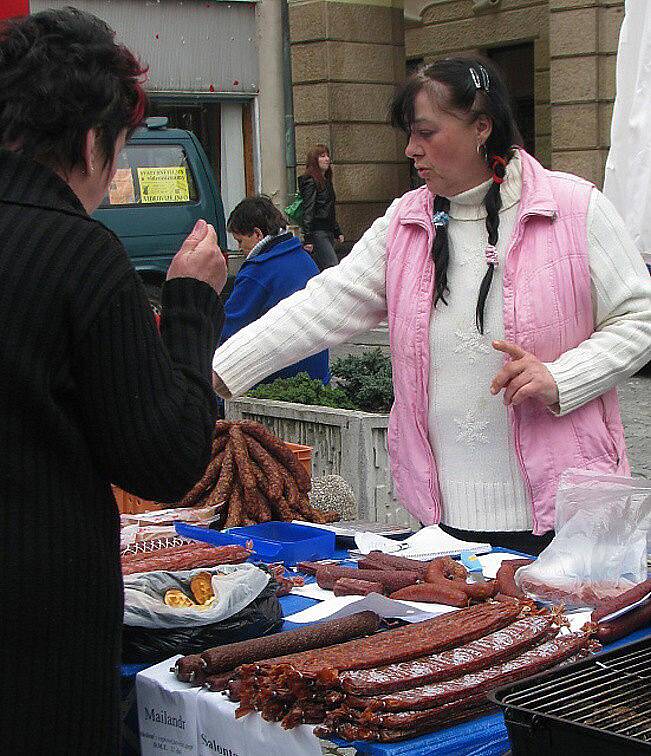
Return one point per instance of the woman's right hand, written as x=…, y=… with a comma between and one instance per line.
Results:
x=200, y=258
x=308, y=248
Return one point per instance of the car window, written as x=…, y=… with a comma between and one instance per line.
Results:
x=156, y=174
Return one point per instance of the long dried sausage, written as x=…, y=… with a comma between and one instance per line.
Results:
x=442, y=592
x=604, y=608
x=351, y=587
x=493, y=648
x=242, y=462
x=608, y=632
x=407, y=642
x=279, y=450
x=269, y=467
x=506, y=577
x=327, y=576
x=377, y=560
x=431, y=696
x=326, y=633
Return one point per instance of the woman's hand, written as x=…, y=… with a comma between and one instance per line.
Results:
x=523, y=377
x=308, y=248
x=340, y=239
x=200, y=258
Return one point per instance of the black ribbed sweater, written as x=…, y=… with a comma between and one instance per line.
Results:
x=89, y=393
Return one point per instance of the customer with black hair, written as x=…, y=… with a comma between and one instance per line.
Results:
x=496, y=276
x=275, y=267
x=89, y=392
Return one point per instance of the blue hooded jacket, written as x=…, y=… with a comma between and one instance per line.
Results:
x=281, y=268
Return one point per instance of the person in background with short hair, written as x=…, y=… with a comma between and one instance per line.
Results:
x=320, y=227
x=275, y=267
x=516, y=301
x=90, y=394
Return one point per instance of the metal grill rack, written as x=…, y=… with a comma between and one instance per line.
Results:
x=604, y=700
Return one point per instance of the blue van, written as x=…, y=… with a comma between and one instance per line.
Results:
x=163, y=184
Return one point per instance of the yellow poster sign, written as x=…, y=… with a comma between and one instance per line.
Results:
x=163, y=185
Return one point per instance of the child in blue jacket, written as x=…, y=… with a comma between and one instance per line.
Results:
x=276, y=266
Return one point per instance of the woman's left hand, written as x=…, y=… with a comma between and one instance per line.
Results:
x=340, y=238
x=523, y=377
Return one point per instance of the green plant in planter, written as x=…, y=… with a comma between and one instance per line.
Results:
x=360, y=382
x=303, y=390
x=366, y=380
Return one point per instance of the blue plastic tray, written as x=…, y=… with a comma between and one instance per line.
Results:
x=272, y=541
x=294, y=543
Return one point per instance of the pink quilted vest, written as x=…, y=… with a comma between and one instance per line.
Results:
x=547, y=310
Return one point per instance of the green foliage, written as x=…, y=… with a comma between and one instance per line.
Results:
x=303, y=390
x=366, y=380
x=362, y=382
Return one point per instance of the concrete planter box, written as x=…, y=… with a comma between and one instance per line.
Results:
x=345, y=442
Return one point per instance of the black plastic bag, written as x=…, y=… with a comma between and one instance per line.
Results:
x=262, y=616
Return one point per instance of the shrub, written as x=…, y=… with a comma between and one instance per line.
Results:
x=366, y=380
x=361, y=382
x=303, y=390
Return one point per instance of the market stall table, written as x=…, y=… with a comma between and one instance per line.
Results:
x=485, y=735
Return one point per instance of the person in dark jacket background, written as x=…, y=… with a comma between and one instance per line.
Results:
x=275, y=267
x=320, y=227
x=90, y=394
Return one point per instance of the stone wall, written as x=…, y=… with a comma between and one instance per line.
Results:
x=583, y=46
x=346, y=60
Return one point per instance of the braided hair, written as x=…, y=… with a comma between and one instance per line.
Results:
x=471, y=86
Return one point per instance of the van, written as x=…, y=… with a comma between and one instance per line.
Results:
x=163, y=184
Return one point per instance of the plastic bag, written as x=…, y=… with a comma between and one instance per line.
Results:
x=261, y=617
x=235, y=586
x=151, y=526
x=600, y=546
x=294, y=211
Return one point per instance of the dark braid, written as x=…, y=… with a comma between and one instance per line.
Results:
x=493, y=204
x=441, y=253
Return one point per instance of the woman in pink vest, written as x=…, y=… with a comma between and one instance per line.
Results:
x=516, y=300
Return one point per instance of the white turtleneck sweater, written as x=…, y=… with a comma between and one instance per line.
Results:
x=479, y=475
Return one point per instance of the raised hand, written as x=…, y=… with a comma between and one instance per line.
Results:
x=200, y=258
x=523, y=377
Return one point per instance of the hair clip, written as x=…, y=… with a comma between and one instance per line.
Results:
x=491, y=255
x=440, y=218
x=475, y=77
x=485, y=78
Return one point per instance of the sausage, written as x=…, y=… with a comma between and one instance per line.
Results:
x=326, y=633
x=280, y=451
x=506, y=577
x=355, y=731
x=445, y=567
x=269, y=467
x=187, y=668
x=219, y=682
x=483, y=652
x=433, y=695
x=351, y=587
x=242, y=463
x=404, y=643
x=442, y=592
x=377, y=560
x=608, y=632
x=235, y=515
x=327, y=576
x=477, y=591
x=224, y=486
x=604, y=608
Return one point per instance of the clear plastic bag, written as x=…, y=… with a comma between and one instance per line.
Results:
x=600, y=546
x=159, y=523
x=234, y=585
